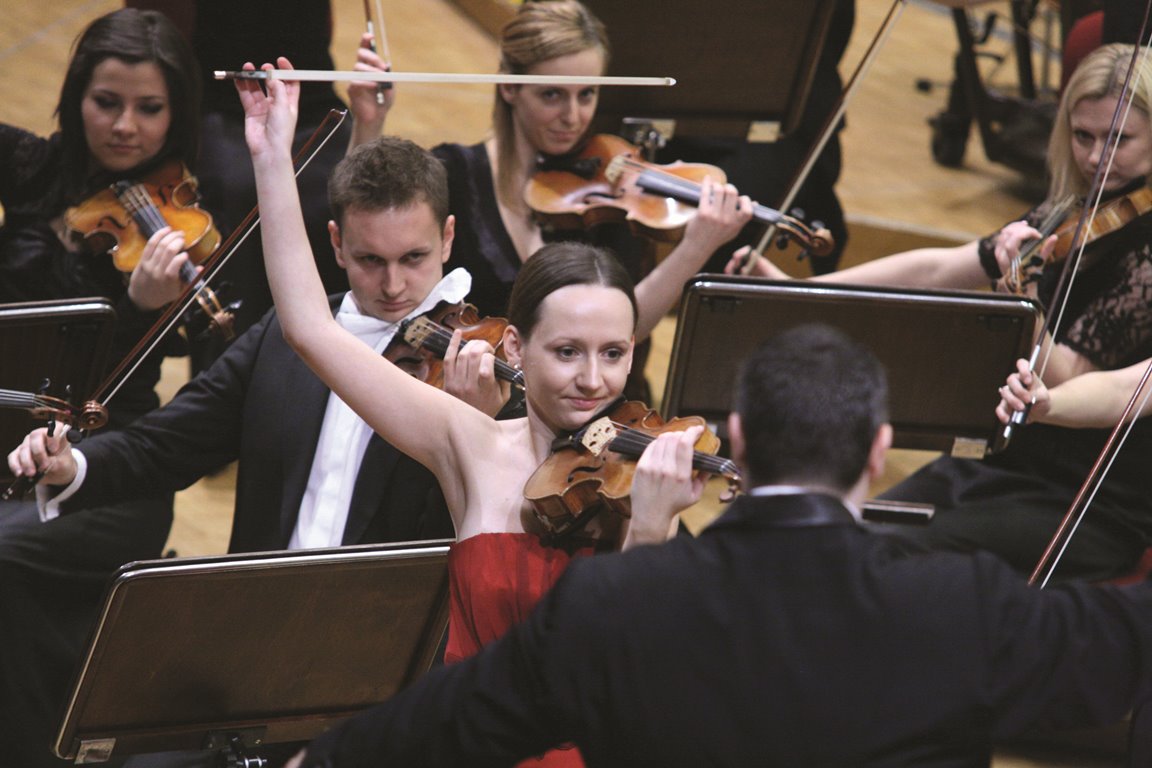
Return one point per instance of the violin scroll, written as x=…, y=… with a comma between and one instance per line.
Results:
x=86, y=418
x=53, y=411
x=818, y=241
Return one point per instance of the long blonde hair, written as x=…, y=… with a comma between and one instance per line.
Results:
x=1100, y=74
x=539, y=31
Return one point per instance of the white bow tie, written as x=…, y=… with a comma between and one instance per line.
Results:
x=377, y=333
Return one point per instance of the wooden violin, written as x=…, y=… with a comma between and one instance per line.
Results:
x=1063, y=221
x=592, y=469
x=54, y=411
x=421, y=343
x=607, y=180
x=119, y=221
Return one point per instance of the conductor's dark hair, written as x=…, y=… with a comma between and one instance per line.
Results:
x=132, y=36
x=556, y=266
x=811, y=401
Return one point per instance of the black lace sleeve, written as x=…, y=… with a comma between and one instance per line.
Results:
x=1111, y=320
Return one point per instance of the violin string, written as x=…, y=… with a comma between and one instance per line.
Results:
x=147, y=215
x=440, y=337
x=150, y=212
x=634, y=441
x=667, y=183
x=138, y=208
x=689, y=188
x=15, y=398
x=437, y=339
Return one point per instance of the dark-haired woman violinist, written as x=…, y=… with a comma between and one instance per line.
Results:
x=129, y=104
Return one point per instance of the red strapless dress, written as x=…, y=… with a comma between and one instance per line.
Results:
x=495, y=579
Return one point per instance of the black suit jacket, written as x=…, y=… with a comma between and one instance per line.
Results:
x=785, y=635
x=260, y=403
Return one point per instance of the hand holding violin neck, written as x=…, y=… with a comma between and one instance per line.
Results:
x=607, y=179
x=593, y=468
x=1075, y=227
x=430, y=335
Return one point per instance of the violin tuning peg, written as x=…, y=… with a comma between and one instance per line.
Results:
x=782, y=241
x=797, y=213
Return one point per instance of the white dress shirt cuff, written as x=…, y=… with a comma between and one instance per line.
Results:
x=48, y=499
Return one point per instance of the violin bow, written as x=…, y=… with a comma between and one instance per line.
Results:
x=115, y=380
x=382, y=46
x=1069, y=524
x=829, y=127
x=334, y=76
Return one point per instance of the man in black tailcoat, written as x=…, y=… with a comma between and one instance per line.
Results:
x=786, y=634
x=311, y=473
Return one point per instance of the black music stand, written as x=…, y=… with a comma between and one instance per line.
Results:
x=232, y=653
x=754, y=81
x=66, y=342
x=946, y=352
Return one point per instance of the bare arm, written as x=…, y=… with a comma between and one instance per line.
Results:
x=1093, y=399
x=419, y=420
x=722, y=214
x=369, y=104
x=957, y=267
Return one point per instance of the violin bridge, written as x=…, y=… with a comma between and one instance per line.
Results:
x=598, y=435
x=417, y=331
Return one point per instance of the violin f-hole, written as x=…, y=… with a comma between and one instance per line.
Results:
x=586, y=469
